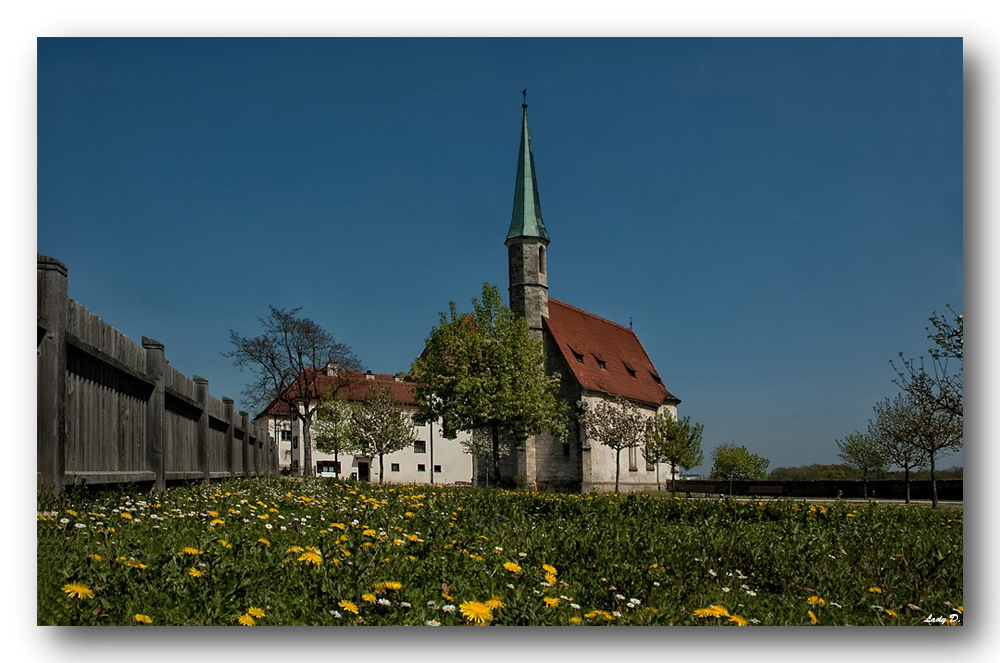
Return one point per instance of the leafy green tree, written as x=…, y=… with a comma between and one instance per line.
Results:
x=379, y=426
x=333, y=427
x=674, y=441
x=815, y=472
x=618, y=425
x=288, y=362
x=894, y=429
x=861, y=451
x=732, y=463
x=484, y=370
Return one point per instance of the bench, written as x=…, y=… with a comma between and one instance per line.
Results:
x=698, y=489
x=765, y=490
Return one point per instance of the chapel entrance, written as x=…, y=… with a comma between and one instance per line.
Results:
x=364, y=471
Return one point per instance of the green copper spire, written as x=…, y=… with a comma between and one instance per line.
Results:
x=526, y=221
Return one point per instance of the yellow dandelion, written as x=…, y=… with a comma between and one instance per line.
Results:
x=144, y=619
x=392, y=585
x=349, y=606
x=512, y=567
x=95, y=557
x=192, y=551
x=297, y=549
x=247, y=620
x=548, y=568
x=311, y=557
x=815, y=600
x=265, y=542
x=550, y=578
x=225, y=544
x=812, y=617
x=495, y=603
x=71, y=512
x=550, y=601
x=368, y=532
x=891, y=613
x=195, y=573
x=126, y=515
x=875, y=590
x=78, y=590
x=255, y=612
x=338, y=525
x=739, y=621
x=476, y=611
x=370, y=598
x=712, y=611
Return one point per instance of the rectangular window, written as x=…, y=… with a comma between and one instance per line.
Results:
x=295, y=442
x=286, y=435
x=631, y=460
x=394, y=467
x=421, y=467
x=420, y=447
x=437, y=468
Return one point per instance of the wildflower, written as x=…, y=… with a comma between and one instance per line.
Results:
x=739, y=621
x=476, y=611
x=144, y=619
x=247, y=620
x=575, y=620
x=449, y=608
x=815, y=600
x=217, y=521
x=891, y=613
x=512, y=567
x=384, y=602
x=349, y=606
x=335, y=613
x=812, y=617
x=550, y=601
x=192, y=551
x=126, y=515
x=297, y=549
x=194, y=573
x=392, y=585
x=78, y=591
x=875, y=590
x=370, y=598
x=726, y=590
x=255, y=612
x=432, y=622
x=265, y=542
x=311, y=557
x=712, y=611
x=495, y=603
x=95, y=557
x=548, y=568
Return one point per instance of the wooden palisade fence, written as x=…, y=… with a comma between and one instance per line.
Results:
x=112, y=411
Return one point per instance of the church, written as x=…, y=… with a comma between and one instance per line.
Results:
x=595, y=358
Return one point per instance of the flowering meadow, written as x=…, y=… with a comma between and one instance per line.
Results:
x=285, y=550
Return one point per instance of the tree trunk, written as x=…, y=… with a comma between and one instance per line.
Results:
x=495, y=432
x=336, y=464
x=906, y=476
x=934, y=500
x=381, y=468
x=864, y=476
x=618, y=463
x=307, y=468
x=657, y=477
x=673, y=480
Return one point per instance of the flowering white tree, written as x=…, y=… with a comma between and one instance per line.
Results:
x=380, y=427
x=617, y=424
x=333, y=428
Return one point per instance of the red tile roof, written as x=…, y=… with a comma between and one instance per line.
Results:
x=627, y=370
x=355, y=389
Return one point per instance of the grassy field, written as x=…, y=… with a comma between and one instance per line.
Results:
x=281, y=551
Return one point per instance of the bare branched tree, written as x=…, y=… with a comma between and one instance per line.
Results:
x=295, y=362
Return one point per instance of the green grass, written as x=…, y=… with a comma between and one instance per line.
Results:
x=618, y=559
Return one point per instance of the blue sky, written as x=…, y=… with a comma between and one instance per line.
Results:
x=777, y=217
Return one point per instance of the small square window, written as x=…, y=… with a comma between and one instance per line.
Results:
x=421, y=467
x=394, y=467
x=286, y=435
x=420, y=447
x=437, y=468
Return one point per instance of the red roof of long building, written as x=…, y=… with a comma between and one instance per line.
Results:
x=352, y=385
x=604, y=356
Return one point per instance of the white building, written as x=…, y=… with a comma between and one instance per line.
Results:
x=431, y=459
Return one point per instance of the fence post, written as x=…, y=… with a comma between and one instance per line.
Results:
x=203, y=453
x=227, y=408
x=245, y=422
x=51, y=356
x=155, y=414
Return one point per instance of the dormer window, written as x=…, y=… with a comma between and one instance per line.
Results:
x=631, y=371
x=656, y=378
x=577, y=356
x=601, y=363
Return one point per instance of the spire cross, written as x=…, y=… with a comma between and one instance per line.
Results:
x=524, y=98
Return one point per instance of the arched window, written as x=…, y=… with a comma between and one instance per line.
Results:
x=541, y=259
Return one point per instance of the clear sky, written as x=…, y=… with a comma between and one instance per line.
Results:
x=777, y=217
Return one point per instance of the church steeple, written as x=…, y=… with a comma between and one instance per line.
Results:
x=526, y=241
x=526, y=220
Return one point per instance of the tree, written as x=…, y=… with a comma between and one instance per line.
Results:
x=333, y=427
x=288, y=360
x=941, y=388
x=861, y=451
x=894, y=429
x=618, y=425
x=380, y=427
x=674, y=441
x=484, y=370
x=732, y=463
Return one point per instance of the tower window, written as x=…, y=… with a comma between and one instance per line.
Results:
x=541, y=259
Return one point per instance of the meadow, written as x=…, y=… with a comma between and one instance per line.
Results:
x=293, y=551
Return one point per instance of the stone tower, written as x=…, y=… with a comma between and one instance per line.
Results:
x=527, y=242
